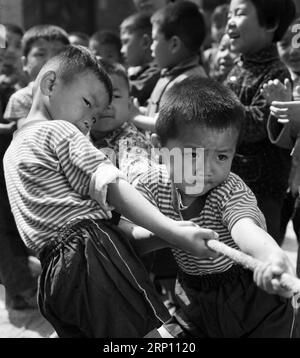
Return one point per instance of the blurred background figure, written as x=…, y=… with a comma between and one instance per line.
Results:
x=149, y=6
x=107, y=45
x=18, y=269
x=136, y=40
x=79, y=38
x=216, y=31
x=224, y=60
x=12, y=76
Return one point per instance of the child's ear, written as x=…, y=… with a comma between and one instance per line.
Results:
x=24, y=63
x=155, y=140
x=273, y=28
x=175, y=44
x=146, y=41
x=47, y=82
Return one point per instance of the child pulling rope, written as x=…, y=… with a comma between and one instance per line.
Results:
x=286, y=281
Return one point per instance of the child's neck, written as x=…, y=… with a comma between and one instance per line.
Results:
x=97, y=135
x=182, y=59
x=189, y=206
x=256, y=51
x=39, y=111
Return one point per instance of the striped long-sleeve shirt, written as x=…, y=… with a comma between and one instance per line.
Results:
x=48, y=168
x=224, y=206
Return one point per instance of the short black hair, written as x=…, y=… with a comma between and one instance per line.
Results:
x=107, y=37
x=272, y=13
x=182, y=19
x=45, y=32
x=137, y=23
x=79, y=59
x=198, y=101
x=220, y=15
x=114, y=69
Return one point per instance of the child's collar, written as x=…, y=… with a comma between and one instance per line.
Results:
x=181, y=206
x=180, y=67
x=29, y=123
x=267, y=54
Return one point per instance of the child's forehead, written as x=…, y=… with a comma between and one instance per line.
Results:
x=44, y=43
x=127, y=27
x=236, y=4
x=118, y=81
x=13, y=35
x=202, y=135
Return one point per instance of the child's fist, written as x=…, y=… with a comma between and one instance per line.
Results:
x=268, y=274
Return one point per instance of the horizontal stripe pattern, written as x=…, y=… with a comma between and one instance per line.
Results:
x=48, y=167
x=224, y=206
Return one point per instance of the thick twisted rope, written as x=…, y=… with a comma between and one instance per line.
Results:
x=287, y=281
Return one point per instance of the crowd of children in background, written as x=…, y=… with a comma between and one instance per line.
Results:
x=169, y=79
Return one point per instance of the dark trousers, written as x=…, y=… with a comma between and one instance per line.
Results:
x=94, y=285
x=230, y=305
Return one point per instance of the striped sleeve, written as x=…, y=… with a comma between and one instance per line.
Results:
x=147, y=184
x=239, y=203
x=79, y=159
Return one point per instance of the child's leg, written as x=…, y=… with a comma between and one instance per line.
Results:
x=93, y=285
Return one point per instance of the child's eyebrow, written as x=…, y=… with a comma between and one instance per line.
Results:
x=225, y=150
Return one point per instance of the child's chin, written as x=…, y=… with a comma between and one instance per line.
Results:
x=195, y=191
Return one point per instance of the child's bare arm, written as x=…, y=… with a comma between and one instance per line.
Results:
x=145, y=123
x=143, y=240
x=129, y=202
x=140, y=118
x=254, y=241
x=286, y=111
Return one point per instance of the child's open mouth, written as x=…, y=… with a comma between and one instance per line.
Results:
x=233, y=35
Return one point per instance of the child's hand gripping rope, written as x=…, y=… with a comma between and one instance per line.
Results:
x=285, y=284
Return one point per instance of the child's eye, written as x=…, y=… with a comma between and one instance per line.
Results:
x=240, y=12
x=222, y=157
x=88, y=104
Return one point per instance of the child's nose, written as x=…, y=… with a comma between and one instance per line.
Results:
x=207, y=166
x=226, y=54
x=230, y=24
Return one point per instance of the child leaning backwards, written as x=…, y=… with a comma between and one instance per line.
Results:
x=217, y=298
x=92, y=284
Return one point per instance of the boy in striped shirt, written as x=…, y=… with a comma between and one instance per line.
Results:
x=198, y=129
x=92, y=283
